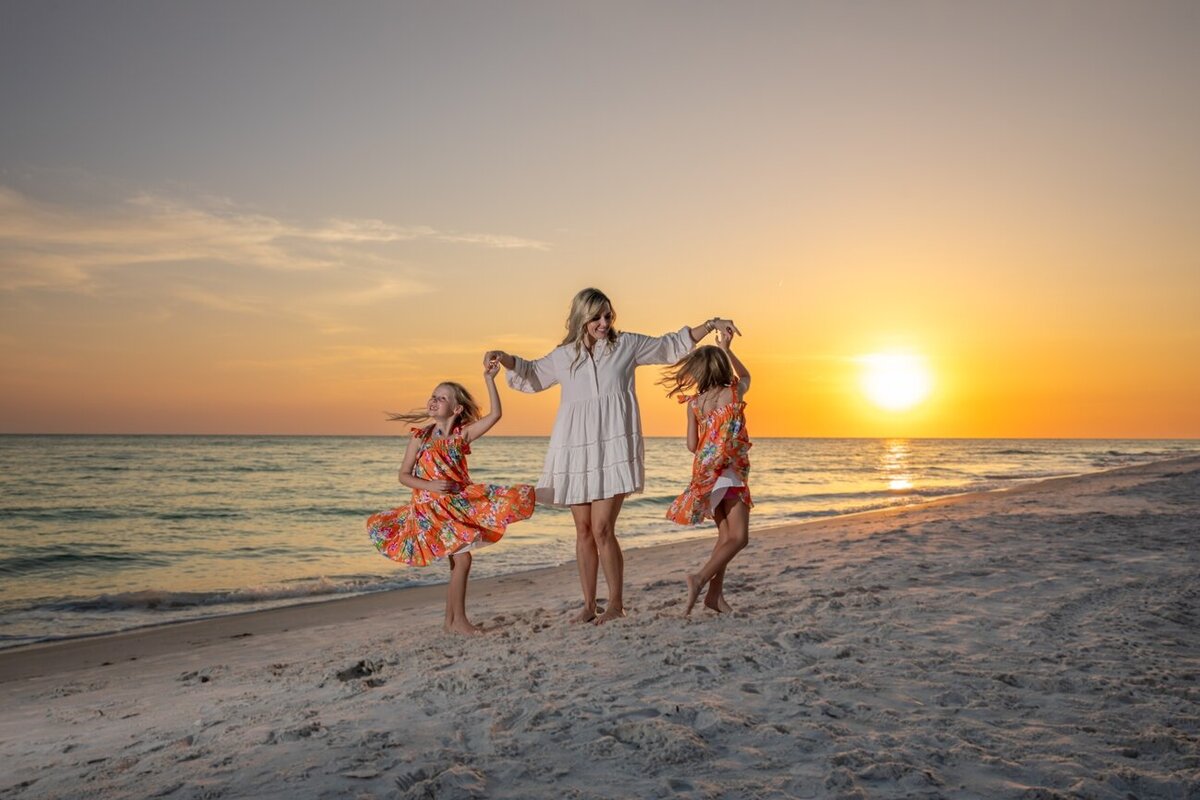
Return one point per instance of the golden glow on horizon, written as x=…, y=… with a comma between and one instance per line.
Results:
x=895, y=381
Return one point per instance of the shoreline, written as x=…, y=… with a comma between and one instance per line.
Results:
x=63, y=592
x=155, y=639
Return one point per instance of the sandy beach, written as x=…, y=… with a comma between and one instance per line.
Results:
x=1036, y=643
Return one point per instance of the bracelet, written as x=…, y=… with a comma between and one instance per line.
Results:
x=711, y=325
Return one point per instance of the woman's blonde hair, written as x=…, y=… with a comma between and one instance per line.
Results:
x=701, y=369
x=587, y=305
x=469, y=413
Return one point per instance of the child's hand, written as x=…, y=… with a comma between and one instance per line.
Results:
x=726, y=325
x=725, y=337
x=494, y=357
x=490, y=368
x=446, y=487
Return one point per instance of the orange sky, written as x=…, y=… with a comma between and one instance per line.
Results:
x=291, y=239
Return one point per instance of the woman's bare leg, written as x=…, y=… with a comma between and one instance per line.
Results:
x=587, y=559
x=604, y=521
x=456, y=595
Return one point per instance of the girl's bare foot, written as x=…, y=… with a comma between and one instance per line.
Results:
x=464, y=627
x=718, y=605
x=693, y=583
x=609, y=614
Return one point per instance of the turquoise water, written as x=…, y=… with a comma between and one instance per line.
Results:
x=105, y=533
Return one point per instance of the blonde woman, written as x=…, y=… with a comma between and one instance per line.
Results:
x=596, y=454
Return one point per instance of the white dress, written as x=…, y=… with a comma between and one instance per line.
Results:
x=596, y=448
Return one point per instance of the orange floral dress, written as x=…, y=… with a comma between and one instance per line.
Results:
x=435, y=525
x=722, y=460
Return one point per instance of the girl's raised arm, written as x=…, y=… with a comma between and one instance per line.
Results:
x=725, y=341
x=484, y=424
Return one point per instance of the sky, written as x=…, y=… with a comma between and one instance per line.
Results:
x=289, y=217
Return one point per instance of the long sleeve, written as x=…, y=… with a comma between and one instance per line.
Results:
x=665, y=349
x=532, y=376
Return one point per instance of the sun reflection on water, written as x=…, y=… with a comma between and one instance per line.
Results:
x=895, y=466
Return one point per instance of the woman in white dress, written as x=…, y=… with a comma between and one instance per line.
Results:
x=596, y=454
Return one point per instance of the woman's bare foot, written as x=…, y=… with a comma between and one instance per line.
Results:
x=693, y=584
x=464, y=627
x=609, y=614
x=586, y=615
x=718, y=604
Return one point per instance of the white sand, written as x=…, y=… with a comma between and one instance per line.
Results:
x=1038, y=643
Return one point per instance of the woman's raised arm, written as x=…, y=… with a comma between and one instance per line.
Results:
x=524, y=376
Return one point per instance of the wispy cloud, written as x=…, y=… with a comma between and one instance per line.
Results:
x=362, y=359
x=45, y=245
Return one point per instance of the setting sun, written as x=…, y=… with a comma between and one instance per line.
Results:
x=895, y=381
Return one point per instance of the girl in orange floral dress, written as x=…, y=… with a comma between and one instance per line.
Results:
x=716, y=434
x=449, y=516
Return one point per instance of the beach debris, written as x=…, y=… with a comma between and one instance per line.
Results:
x=200, y=676
x=362, y=669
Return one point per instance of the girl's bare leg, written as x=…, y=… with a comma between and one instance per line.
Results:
x=587, y=559
x=604, y=521
x=737, y=519
x=456, y=596
x=714, y=598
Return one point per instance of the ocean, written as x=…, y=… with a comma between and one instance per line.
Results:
x=109, y=533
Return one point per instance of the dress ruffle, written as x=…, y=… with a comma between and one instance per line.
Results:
x=603, y=456
x=559, y=486
x=723, y=448
x=435, y=525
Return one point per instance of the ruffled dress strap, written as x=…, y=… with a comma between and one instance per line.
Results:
x=464, y=444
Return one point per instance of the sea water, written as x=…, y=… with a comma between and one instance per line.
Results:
x=108, y=533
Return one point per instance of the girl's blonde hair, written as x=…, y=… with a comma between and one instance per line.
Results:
x=587, y=305
x=469, y=413
x=702, y=369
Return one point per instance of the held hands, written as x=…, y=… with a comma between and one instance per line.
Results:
x=719, y=324
x=499, y=358
x=490, y=368
x=725, y=329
